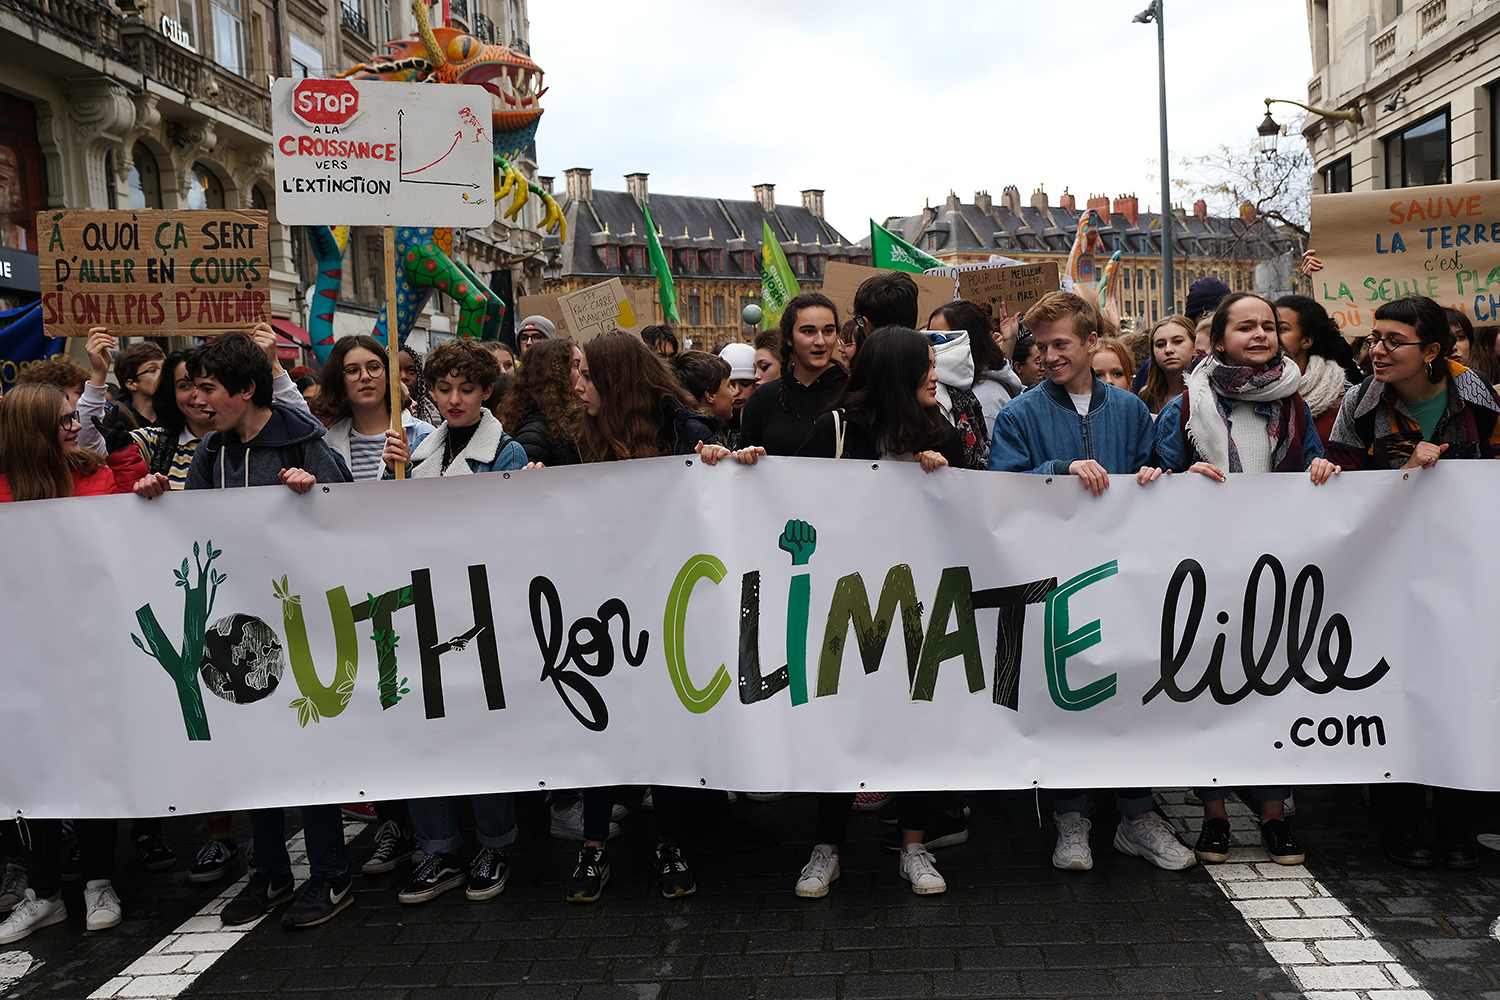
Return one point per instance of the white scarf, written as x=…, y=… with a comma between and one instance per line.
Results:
x=1206, y=426
x=955, y=367
x=427, y=460
x=1322, y=384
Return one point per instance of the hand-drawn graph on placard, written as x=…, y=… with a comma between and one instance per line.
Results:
x=431, y=171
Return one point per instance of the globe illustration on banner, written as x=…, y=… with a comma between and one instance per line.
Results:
x=242, y=659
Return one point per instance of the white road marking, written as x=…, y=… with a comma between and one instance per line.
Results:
x=1327, y=952
x=177, y=960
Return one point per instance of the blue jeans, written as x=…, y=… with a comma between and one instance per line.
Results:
x=435, y=821
x=323, y=829
x=1273, y=793
x=1128, y=800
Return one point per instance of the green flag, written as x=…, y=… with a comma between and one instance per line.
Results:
x=893, y=253
x=777, y=282
x=665, y=290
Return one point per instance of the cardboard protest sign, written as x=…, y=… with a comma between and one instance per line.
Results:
x=1441, y=241
x=606, y=306
x=841, y=281
x=154, y=272
x=374, y=153
x=1018, y=286
x=550, y=306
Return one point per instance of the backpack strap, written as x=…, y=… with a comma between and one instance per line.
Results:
x=1182, y=420
x=838, y=433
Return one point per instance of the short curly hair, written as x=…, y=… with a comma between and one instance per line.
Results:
x=467, y=359
x=64, y=373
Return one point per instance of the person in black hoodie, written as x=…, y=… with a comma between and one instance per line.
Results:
x=542, y=405
x=779, y=415
x=705, y=376
x=258, y=442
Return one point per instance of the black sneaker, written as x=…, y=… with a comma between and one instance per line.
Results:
x=262, y=894
x=392, y=847
x=214, y=860
x=942, y=831
x=72, y=864
x=1454, y=852
x=1213, y=842
x=434, y=876
x=487, y=874
x=673, y=877
x=153, y=853
x=1283, y=847
x=321, y=897
x=1408, y=850
x=590, y=876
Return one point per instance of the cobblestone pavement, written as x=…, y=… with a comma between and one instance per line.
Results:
x=1347, y=925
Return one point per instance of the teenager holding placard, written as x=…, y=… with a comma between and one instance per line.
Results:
x=779, y=415
x=41, y=459
x=355, y=403
x=470, y=439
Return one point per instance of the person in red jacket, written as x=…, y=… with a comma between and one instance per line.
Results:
x=40, y=459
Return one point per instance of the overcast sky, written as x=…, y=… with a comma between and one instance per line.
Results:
x=887, y=104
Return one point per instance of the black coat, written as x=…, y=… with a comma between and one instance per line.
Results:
x=780, y=431
x=541, y=446
x=860, y=444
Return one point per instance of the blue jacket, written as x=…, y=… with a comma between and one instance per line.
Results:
x=1040, y=431
x=489, y=450
x=1173, y=454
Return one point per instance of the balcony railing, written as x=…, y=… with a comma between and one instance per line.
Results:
x=1385, y=46
x=351, y=17
x=96, y=25
x=484, y=29
x=189, y=72
x=1432, y=16
x=459, y=8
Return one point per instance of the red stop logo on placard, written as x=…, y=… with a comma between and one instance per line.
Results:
x=325, y=102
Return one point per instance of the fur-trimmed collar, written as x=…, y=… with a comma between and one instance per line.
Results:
x=427, y=460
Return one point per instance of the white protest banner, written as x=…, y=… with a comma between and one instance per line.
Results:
x=373, y=153
x=952, y=630
x=1441, y=241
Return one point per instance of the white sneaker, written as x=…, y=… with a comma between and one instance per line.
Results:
x=567, y=823
x=818, y=874
x=101, y=907
x=646, y=802
x=618, y=813
x=12, y=886
x=1072, y=852
x=766, y=796
x=1151, y=838
x=918, y=868
x=32, y=914
x=1289, y=804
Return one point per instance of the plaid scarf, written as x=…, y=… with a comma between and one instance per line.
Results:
x=1227, y=385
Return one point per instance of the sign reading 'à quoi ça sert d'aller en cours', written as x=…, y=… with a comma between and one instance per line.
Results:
x=154, y=272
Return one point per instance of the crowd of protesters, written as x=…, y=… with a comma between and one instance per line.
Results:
x=1239, y=384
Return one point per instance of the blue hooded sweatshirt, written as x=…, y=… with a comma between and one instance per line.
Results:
x=1041, y=431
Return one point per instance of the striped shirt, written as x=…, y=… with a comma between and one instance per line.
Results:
x=148, y=439
x=364, y=455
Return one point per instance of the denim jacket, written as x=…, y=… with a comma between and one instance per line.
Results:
x=1041, y=431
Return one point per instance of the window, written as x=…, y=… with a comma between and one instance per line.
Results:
x=306, y=59
x=21, y=175
x=718, y=310
x=1155, y=308
x=204, y=191
x=1239, y=281
x=179, y=22
x=515, y=20
x=1128, y=308
x=1336, y=177
x=1320, y=33
x=1140, y=278
x=1153, y=280
x=145, y=178
x=1494, y=138
x=1140, y=308
x=229, y=37
x=1420, y=154
x=695, y=311
x=383, y=30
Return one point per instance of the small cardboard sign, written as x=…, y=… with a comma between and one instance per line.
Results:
x=379, y=153
x=1441, y=241
x=154, y=272
x=606, y=306
x=841, y=281
x=1018, y=286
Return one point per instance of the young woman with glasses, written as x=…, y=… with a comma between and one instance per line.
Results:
x=355, y=404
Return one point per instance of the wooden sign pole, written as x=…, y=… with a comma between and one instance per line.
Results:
x=392, y=337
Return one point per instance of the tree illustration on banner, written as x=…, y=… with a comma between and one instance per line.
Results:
x=318, y=700
x=182, y=666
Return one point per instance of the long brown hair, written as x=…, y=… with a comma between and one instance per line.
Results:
x=543, y=384
x=31, y=457
x=632, y=383
x=1154, y=392
x=797, y=303
x=331, y=404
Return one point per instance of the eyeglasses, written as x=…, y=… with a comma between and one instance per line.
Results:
x=529, y=336
x=68, y=419
x=373, y=369
x=1390, y=343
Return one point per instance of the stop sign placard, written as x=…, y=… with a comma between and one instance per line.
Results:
x=325, y=102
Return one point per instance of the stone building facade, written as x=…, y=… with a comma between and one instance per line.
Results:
x=713, y=245
x=1235, y=250
x=1424, y=77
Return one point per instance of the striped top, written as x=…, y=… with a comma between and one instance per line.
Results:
x=364, y=455
x=148, y=439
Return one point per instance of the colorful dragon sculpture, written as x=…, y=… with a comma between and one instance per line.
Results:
x=423, y=261
x=1101, y=287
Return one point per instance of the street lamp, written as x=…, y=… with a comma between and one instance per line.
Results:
x=1169, y=297
x=1269, y=130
